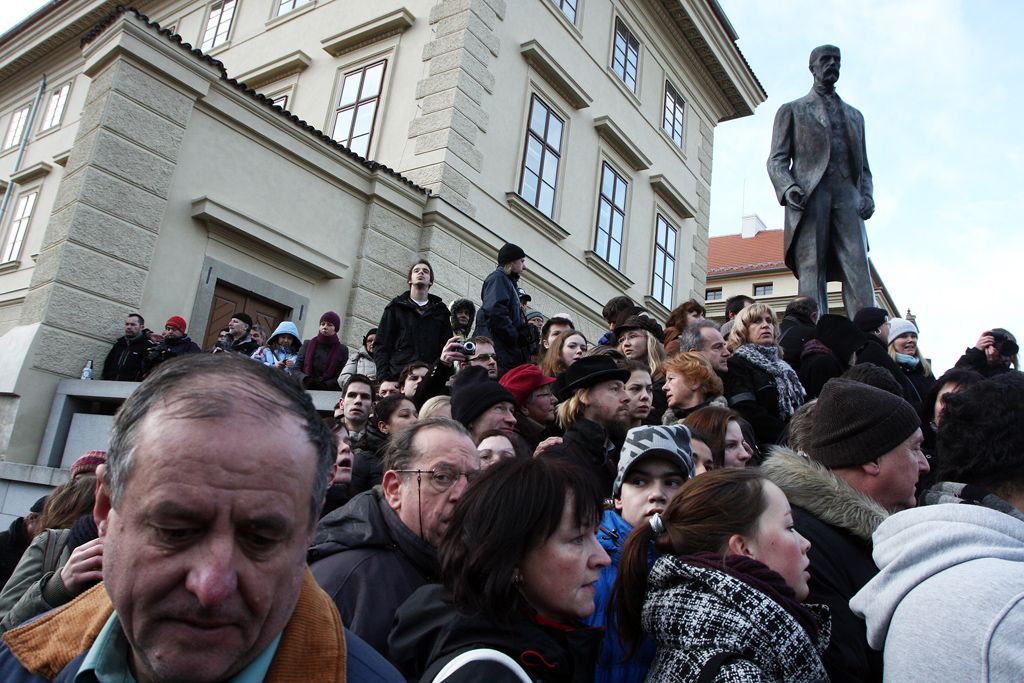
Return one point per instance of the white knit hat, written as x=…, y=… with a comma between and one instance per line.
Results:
x=898, y=326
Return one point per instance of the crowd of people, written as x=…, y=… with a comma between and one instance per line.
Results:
x=496, y=497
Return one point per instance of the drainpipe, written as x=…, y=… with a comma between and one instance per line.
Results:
x=22, y=146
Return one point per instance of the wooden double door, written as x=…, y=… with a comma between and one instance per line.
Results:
x=228, y=300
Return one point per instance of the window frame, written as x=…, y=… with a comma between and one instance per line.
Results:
x=669, y=257
x=58, y=117
x=572, y=4
x=678, y=109
x=230, y=25
x=295, y=4
x=22, y=113
x=713, y=290
x=621, y=27
x=546, y=151
x=619, y=177
x=767, y=286
x=17, y=227
x=338, y=109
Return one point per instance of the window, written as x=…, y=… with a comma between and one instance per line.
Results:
x=625, y=55
x=19, y=224
x=664, y=262
x=55, y=107
x=357, y=107
x=673, y=123
x=219, y=23
x=568, y=8
x=713, y=295
x=287, y=6
x=763, y=289
x=541, y=157
x=16, y=127
x=611, y=215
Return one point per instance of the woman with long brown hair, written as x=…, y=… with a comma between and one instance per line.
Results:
x=725, y=597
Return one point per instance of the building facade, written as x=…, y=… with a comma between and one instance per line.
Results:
x=751, y=263
x=195, y=158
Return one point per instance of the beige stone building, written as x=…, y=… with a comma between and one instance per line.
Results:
x=751, y=262
x=141, y=175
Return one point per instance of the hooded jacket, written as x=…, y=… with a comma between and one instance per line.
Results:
x=270, y=357
x=458, y=305
x=694, y=613
x=429, y=632
x=501, y=318
x=613, y=666
x=838, y=520
x=369, y=562
x=408, y=333
x=948, y=602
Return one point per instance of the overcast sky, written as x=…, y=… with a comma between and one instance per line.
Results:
x=938, y=82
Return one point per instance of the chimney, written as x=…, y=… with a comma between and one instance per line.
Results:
x=752, y=225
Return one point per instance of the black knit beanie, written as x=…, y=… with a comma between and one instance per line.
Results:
x=473, y=393
x=509, y=253
x=855, y=423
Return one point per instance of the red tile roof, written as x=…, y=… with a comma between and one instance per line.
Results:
x=734, y=254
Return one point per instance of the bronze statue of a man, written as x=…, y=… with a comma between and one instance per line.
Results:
x=819, y=168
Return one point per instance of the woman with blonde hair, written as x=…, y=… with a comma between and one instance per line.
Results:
x=761, y=386
x=640, y=340
x=904, y=350
x=566, y=349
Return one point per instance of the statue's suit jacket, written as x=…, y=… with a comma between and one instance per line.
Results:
x=800, y=154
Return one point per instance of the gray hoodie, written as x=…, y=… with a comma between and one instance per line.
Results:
x=948, y=603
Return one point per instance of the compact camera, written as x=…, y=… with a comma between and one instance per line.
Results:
x=1004, y=345
x=467, y=348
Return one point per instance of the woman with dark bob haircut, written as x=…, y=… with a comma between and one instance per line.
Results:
x=724, y=600
x=519, y=566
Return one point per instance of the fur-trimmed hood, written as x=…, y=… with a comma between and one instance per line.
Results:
x=815, y=488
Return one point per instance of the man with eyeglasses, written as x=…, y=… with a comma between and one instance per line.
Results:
x=439, y=376
x=371, y=554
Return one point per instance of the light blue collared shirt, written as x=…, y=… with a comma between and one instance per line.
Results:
x=107, y=659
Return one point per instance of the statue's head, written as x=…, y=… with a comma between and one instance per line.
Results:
x=824, y=64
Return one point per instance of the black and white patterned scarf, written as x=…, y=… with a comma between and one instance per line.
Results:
x=766, y=358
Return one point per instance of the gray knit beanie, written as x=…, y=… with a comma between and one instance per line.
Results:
x=855, y=423
x=671, y=443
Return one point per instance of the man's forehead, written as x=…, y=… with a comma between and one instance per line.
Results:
x=437, y=445
x=358, y=389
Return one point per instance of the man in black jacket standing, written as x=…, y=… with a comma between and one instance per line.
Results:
x=414, y=327
x=501, y=315
x=124, y=362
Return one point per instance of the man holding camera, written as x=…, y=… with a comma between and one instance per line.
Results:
x=174, y=343
x=994, y=354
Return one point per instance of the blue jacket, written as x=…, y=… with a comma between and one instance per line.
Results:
x=612, y=666
x=501, y=318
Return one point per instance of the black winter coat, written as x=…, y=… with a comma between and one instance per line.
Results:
x=586, y=443
x=322, y=378
x=124, y=362
x=876, y=352
x=13, y=544
x=408, y=333
x=793, y=334
x=429, y=633
x=752, y=393
x=974, y=359
x=369, y=562
x=368, y=460
x=501, y=318
x=166, y=350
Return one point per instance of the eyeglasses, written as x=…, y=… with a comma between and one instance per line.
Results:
x=485, y=356
x=443, y=478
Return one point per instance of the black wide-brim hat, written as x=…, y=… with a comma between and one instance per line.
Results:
x=587, y=372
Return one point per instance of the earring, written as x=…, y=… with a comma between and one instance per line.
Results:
x=517, y=578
